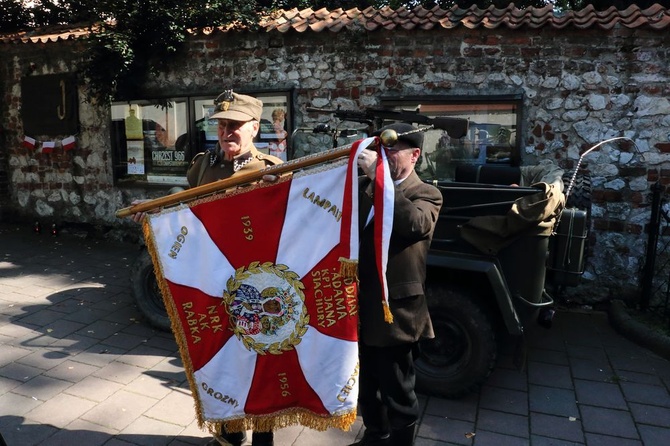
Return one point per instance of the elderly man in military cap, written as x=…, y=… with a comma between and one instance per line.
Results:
x=238, y=117
x=387, y=401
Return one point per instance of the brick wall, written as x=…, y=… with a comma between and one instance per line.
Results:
x=579, y=87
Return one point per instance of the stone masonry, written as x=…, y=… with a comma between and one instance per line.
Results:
x=579, y=87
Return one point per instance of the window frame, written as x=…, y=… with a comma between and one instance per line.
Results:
x=513, y=103
x=195, y=141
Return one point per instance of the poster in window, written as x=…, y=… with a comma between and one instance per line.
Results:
x=154, y=141
x=273, y=134
x=134, y=142
x=166, y=142
x=135, y=157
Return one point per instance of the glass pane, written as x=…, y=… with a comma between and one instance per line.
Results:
x=205, y=127
x=151, y=141
x=273, y=136
x=491, y=137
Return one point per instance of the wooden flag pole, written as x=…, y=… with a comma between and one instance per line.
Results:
x=388, y=138
x=238, y=180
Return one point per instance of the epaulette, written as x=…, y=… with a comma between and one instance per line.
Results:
x=196, y=157
x=268, y=159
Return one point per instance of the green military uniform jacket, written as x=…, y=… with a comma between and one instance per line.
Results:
x=208, y=167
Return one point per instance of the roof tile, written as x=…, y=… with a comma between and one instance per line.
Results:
x=655, y=17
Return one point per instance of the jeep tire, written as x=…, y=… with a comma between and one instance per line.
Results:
x=463, y=353
x=146, y=292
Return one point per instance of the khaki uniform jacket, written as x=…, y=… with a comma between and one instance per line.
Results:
x=416, y=209
x=201, y=172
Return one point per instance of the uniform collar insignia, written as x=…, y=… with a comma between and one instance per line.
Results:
x=213, y=157
x=242, y=160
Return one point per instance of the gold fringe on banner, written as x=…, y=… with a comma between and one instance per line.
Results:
x=286, y=418
x=388, y=316
x=348, y=268
x=177, y=328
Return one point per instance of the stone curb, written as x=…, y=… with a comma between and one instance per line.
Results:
x=636, y=331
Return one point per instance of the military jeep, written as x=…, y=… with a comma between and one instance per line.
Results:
x=481, y=297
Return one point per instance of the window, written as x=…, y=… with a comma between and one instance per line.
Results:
x=491, y=138
x=154, y=141
x=273, y=136
x=151, y=141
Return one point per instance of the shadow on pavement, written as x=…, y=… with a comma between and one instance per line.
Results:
x=17, y=431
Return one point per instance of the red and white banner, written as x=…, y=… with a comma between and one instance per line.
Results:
x=68, y=143
x=48, y=146
x=28, y=142
x=264, y=312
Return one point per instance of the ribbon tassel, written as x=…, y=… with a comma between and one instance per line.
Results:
x=384, y=196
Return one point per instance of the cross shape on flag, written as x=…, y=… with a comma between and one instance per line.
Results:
x=265, y=318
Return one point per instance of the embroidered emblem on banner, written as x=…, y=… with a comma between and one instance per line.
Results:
x=267, y=309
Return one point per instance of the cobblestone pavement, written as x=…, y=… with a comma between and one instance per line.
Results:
x=79, y=366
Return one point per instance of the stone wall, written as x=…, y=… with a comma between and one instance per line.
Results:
x=580, y=87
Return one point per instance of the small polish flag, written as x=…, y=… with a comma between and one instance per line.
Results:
x=68, y=143
x=48, y=146
x=28, y=142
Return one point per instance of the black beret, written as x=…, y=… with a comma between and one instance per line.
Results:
x=413, y=139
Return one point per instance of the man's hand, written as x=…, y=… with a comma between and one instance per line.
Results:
x=268, y=178
x=138, y=216
x=367, y=161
